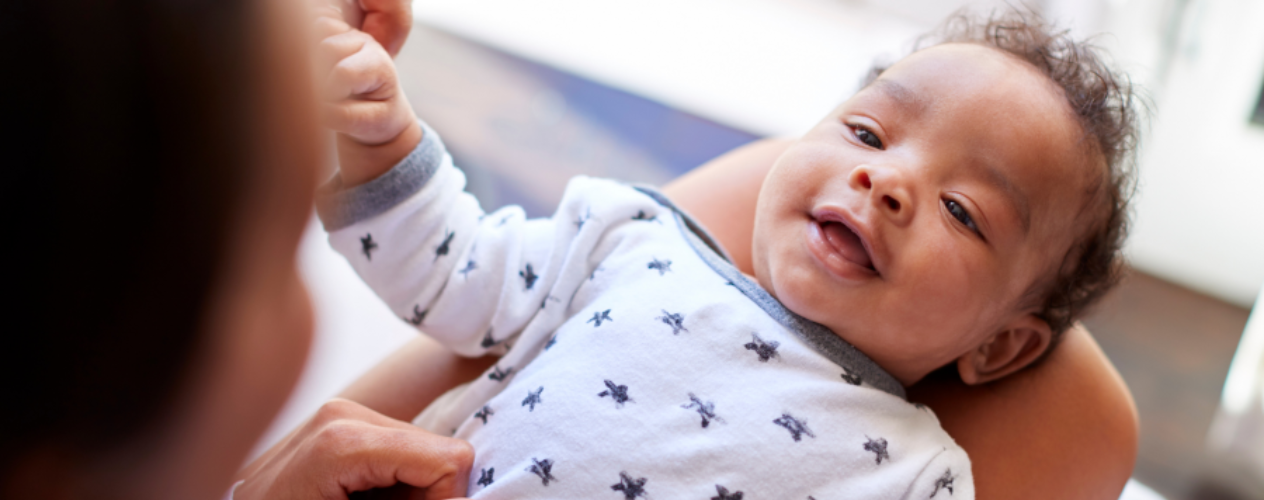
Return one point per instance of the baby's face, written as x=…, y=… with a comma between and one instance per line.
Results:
x=911, y=219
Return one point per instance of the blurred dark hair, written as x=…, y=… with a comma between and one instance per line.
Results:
x=127, y=129
x=1106, y=106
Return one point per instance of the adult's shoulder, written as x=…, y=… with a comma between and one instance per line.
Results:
x=1069, y=417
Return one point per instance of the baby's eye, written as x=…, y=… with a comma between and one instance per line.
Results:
x=869, y=138
x=959, y=212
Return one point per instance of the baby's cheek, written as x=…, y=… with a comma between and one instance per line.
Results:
x=953, y=294
x=800, y=288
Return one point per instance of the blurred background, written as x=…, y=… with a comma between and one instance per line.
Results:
x=528, y=93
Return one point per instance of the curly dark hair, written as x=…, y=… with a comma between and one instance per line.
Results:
x=1108, y=109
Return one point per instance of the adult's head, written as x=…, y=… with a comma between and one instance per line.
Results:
x=175, y=148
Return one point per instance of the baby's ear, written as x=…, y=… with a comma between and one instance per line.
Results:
x=1021, y=342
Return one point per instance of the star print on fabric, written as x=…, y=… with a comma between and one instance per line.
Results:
x=631, y=488
x=469, y=266
x=705, y=409
x=641, y=215
x=485, y=479
x=796, y=427
x=367, y=246
x=598, y=317
x=663, y=266
x=944, y=482
x=552, y=340
x=483, y=413
x=443, y=248
x=852, y=379
x=594, y=273
x=675, y=320
x=528, y=276
x=579, y=222
x=533, y=398
x=488, y=341
x=619, y=393
x=879, y=449
x=418, y=316
x=765, y=350
x=723, y=494
x=499, y=375
x=542, y=468
x=504, y=220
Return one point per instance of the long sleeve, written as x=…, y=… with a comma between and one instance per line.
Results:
x=471, y=280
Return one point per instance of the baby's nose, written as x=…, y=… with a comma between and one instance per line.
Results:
x=887, y=189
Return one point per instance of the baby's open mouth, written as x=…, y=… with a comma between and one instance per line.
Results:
x=846, y=243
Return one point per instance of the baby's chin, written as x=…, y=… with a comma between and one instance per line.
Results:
x=808, y=293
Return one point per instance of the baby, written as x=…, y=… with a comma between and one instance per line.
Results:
x=962, y=208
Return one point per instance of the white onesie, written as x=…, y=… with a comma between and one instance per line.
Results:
x=635, y=361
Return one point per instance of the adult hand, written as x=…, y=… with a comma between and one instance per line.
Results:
x=347, y=448
x=388, y=21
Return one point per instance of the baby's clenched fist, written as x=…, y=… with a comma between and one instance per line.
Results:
x=364, y=103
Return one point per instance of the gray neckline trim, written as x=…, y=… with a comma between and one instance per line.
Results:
x=819, y=338
x=339, y=207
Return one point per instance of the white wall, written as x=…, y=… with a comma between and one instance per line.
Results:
x=1200, y=210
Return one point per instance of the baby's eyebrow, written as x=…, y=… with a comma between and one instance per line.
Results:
x=1016, y=197
x=902, y=95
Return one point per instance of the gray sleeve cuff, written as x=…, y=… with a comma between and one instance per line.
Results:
x=339, y=207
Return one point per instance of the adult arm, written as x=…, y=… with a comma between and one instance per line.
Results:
x=407, y=381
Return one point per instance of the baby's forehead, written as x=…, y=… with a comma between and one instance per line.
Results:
x=967, y=74
x=987, y=110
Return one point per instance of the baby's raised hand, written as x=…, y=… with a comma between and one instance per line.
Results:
x=364, y=103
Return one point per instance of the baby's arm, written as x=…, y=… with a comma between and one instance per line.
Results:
x=407, y=226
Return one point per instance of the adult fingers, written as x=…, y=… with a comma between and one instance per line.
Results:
x=343, y=409
x=438, y=465
x=359, y=456
x=389, y=21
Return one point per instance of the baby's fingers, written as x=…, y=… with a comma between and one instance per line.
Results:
x=366, y=73
x=334, y=49
x=368, y=122
x=389, y=21
x=329, y=24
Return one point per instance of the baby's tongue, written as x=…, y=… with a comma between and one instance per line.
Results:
x=846, y=243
